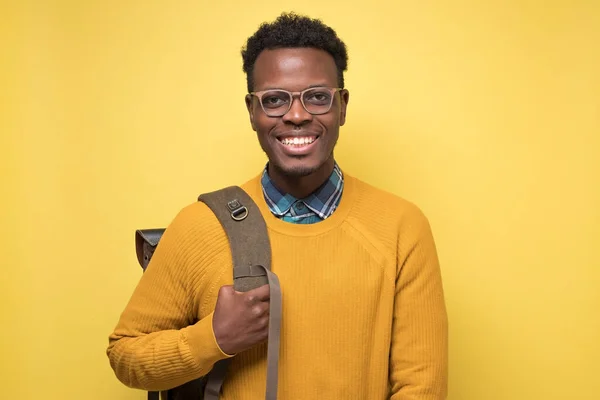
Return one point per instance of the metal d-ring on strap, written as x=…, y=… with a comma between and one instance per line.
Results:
x=238, y=211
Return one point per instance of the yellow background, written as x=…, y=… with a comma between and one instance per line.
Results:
x=486, y=114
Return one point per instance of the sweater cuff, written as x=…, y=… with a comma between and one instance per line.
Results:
x=203, y=343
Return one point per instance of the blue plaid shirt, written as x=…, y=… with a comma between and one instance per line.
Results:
x=314, y=208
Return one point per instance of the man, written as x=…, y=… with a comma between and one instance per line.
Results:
x=363, y=305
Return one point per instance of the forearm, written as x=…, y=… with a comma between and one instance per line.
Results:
x=419, y=352
x=164, y=359
x=421, y=374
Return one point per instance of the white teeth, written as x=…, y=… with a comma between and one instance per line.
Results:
x=298, y=141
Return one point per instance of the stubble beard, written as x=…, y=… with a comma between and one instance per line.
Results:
x=296, y=172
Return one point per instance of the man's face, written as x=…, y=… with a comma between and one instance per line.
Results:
x=297, y=143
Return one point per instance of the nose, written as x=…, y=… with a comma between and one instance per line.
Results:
x=297, y=114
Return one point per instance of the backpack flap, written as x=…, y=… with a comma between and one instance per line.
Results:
x=146, y=241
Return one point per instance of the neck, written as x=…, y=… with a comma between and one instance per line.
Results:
x=301, y=186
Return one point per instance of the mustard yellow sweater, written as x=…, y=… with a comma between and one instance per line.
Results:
x=363, y=305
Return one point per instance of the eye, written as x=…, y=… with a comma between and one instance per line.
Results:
x=318, y=97
x=275, y=99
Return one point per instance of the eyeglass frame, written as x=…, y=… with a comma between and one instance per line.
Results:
x=300, y=95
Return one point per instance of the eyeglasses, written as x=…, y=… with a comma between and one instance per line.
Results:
x=277, y=102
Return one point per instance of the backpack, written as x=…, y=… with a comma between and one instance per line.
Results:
x=251, y=254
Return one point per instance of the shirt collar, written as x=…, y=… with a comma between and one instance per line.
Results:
x=322, y=201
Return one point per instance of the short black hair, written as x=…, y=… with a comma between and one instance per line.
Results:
x=292, y=30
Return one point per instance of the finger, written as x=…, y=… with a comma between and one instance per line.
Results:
x=261, y=293
x=256, y=296
x=260, y=309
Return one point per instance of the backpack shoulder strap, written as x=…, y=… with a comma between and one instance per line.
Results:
x=247, y=233
x=251, y=254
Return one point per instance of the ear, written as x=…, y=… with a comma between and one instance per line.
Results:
x=250, y=108
x=344, y=98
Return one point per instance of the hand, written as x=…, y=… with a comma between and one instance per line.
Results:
x=241, y=319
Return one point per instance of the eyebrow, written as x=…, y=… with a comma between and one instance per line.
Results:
x=308, y=87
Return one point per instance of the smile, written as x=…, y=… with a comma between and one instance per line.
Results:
x=298, y=146
x=298, y=140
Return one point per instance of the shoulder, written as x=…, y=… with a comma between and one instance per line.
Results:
x=386, y=219
x=382, y=205
x=389, y=222
x=192, y=216
x=386, y=224
x=194, y=226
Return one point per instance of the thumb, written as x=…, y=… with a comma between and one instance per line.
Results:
x=226, y=290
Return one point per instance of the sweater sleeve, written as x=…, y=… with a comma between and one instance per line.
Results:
x=159, y=341
x=419, y=350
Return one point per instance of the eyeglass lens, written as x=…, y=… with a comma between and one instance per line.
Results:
x=315, y=101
